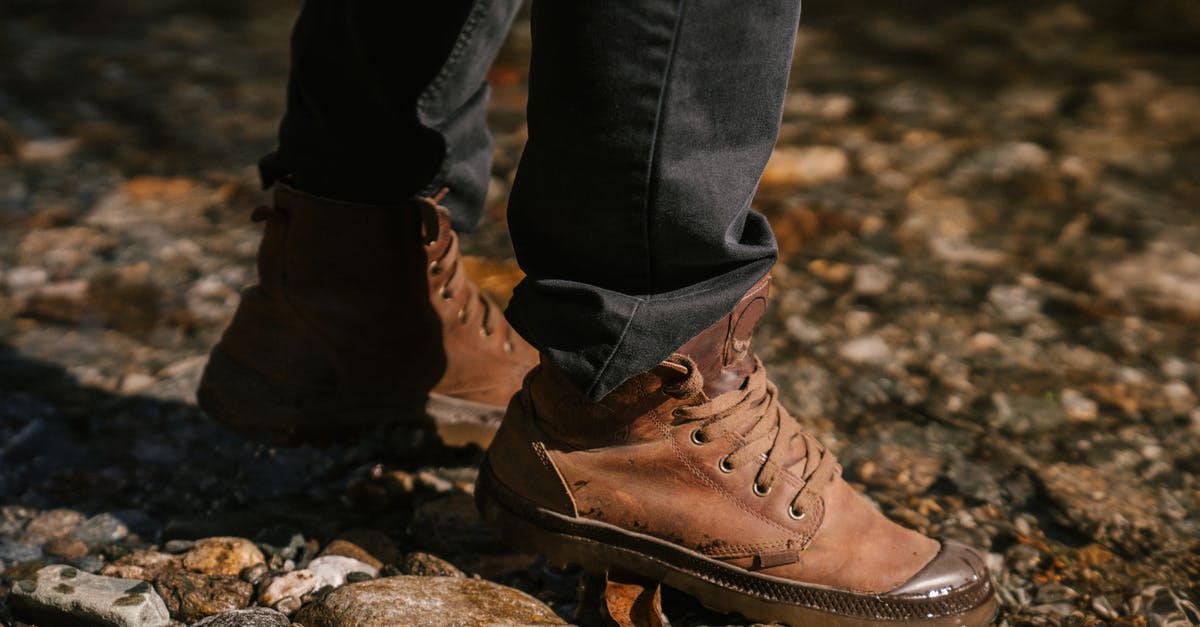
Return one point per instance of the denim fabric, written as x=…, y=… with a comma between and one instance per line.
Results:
x=650, y=123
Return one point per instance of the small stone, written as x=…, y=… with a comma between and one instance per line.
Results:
x=142, y=565
x=296, y=583
x=428, y=565
x=65, y=596
x=192, y=596
x=179, y=546
x=872, y=280
x=288, y=605
x=254, y=574
x=331, y=570
x=1077, y=407
x=47, y=150
x=67, y=548
x=806, y=166
x=1016, y=304
x=366, y=545
x=100, y=530
x=49, y=525
x=16, y=552
x=426, y=602
x=222, y=556
x=249, y=617
x=870, y=349
x=25, y=279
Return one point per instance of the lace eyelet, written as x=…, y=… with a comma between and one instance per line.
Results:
x=698, y=438
x=462, y=316
x=445, y=294
x=508, y=346
x=485, y=332
x=794, y=514
x=759, y=490
x=435, y=268
x=724, y=465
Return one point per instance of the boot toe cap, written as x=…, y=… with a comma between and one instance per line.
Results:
x=955, y=567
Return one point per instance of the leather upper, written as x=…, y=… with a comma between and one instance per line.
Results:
x=634, y=460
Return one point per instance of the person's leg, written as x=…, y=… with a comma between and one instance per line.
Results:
x=363, y=312
x=388, y=99
x=650, y=439
x=650, y=123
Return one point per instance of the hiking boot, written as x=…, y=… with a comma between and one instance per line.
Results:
x=694, y=475
x=362, y=315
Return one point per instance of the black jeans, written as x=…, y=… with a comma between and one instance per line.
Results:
x=650, y=122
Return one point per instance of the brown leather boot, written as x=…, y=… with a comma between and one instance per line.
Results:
x=362, y=315
x=694, y=475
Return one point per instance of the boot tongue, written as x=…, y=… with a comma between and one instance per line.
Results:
x=722, y=352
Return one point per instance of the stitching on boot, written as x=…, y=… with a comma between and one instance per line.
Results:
x=539, y=450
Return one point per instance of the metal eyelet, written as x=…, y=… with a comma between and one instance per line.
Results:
x=485, y=332
x=445, y=294
x=435, y=268
x=794, y=514
x=698, y=438
x=760, y=491
x=724, y=465
x=462, y=316
x=508, y=346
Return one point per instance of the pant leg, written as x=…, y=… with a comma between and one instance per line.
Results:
x=388, y=99
x=650, y=124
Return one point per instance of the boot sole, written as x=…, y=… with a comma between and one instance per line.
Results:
x=261, y=407
x=599, y=547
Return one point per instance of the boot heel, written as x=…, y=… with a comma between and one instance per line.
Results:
x=260, y=407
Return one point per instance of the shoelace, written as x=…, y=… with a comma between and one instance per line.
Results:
x=449, y=263
x=773, y=436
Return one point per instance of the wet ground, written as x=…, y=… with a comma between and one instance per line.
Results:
x=987, y=304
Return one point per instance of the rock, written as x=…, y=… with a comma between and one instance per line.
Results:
x=143, y=565
x=61, y=595
x=1077, y=407
x=296, y=584
x=25, y=279
x=452, y=526
x=1026, y=414
x=250, y=617
x=332, y=570
x=222, y=556
x=47, y=150
x=67, y=548
x=1167, y=278
x=426, y=602
x=51, y=524
x=61, y=251
x=16, y=552
x=366, y=545
x=1016, y=304
x=428, y=565
x=100, y=530
x=870, y=349
x=1112, y=510
x=806, y=166
x=126, y=298
x=192, y=596
x=872, y=280
x=61, y=301
x=900, y=468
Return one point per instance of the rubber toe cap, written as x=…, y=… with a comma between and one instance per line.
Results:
x=956, y=566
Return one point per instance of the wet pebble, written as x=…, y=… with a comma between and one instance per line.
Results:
x=428, y=565
x=192, y=596
x=52, y=524
x=222, y=556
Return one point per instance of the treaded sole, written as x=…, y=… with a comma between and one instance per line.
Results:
x=261, y=407
x=599, y=547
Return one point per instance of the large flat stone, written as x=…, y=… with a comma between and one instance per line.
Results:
x=66, y=597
